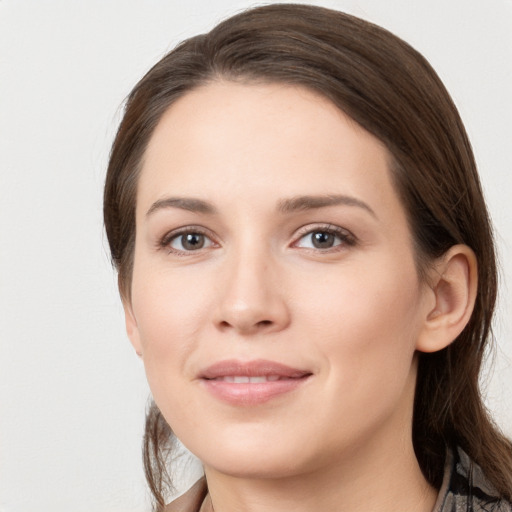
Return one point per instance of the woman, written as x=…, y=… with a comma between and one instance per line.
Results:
x=307, y=269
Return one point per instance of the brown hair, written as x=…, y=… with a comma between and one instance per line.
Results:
x=391, y=91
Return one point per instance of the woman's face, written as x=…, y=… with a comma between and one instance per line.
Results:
x=275, y=298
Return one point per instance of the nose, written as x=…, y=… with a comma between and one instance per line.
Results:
x=252, y=296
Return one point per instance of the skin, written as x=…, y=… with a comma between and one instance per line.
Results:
x=353, y=314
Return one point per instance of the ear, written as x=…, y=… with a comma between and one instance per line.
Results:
x=453, y=283
x=132, y=328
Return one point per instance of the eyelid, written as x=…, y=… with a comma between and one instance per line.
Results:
x=346, y=236
x=165, y=241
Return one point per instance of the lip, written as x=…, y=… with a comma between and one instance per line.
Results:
x=218, y=380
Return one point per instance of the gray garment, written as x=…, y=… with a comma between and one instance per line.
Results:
x=465, y=488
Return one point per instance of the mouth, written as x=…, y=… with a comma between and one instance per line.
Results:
x=253, y=382
x=242, y=379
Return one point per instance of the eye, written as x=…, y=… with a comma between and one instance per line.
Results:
x=186, y=241
x=325, y=238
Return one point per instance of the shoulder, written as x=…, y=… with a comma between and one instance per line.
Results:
x=465, y=487
x=191, y=501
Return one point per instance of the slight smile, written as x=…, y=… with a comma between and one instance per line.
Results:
x=252, y=382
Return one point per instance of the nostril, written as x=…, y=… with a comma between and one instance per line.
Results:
x=245, y=327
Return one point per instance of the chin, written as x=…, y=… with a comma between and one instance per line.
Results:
x=247, y=456
x=262, y=465
x=262, y=457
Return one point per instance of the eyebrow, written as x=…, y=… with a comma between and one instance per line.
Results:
x=302, y=203
x=293, y=204
x=184, y=203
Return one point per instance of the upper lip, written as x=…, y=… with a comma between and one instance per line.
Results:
x=255, y=368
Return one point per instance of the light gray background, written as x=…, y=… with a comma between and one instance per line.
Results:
x=72, y=392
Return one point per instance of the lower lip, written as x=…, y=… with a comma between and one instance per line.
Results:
x=247, y=394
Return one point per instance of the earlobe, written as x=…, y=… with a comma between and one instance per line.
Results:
x=131, y=327
x=454, y=282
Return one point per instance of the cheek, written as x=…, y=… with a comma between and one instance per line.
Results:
x=370, y=321
x=369, y=328
x=170, y=311
x=169, y=314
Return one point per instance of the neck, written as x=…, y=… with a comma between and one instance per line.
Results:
x=388, y=481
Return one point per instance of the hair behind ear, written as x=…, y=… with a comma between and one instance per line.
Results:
x=448, y=408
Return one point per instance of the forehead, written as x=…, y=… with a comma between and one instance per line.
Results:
x=260, y=139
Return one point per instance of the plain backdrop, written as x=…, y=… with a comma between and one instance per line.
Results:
x=72, y=392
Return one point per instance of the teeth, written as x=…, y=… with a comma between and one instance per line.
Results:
x=240, y=379
x=257, y=379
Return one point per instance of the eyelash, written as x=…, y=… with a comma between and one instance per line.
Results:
x=167, y=239
x=347, y=239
